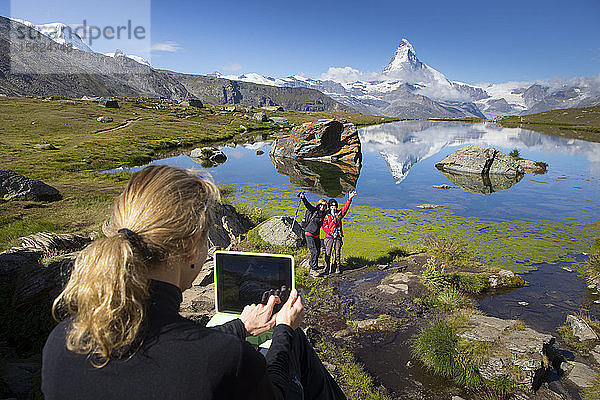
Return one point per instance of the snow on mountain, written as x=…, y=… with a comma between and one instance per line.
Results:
x=66, y=35
x=406, y=66
x=60, y=33
x=119, y=53
x=406, y=87
x=409, y=88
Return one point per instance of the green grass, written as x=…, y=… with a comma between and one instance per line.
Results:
x=81, y=148
x=446, y=300
x=581, y=347
x=80, y=144
x=13, y=228
x=593, y=392
x=593, y=263
x=82, y=209
x=356, y=382
x=578, y=123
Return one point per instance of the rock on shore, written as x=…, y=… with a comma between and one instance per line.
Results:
x=281, y=231
x=17, y=186
x=516, y=352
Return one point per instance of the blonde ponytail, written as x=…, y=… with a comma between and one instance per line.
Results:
x=161, y=216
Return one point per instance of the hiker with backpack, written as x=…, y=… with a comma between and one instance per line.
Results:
x=332, y=226
x=312, y=222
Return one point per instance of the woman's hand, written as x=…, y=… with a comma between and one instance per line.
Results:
x=292, y=312
x=258, y=318
x=352, y=194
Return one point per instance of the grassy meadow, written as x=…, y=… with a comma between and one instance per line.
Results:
x=78, y=148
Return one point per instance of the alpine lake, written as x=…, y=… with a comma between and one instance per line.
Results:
x=539, y=225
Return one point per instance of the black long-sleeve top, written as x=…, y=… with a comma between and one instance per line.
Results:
x=178, y=359
x=315, y=222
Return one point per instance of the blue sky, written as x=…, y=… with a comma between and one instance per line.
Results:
x=471, y=41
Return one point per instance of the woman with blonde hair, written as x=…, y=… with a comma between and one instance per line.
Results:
x=121, y=335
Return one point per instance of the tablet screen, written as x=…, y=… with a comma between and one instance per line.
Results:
x=247, y=278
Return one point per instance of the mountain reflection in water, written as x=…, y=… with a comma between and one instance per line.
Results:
x=404, y=144
x=398, y=172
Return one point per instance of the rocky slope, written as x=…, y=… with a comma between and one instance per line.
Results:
x=77, y=73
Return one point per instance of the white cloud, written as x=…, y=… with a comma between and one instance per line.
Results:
x=347, y=75
x=171, y=47
x=232, y=67
x=441, y=92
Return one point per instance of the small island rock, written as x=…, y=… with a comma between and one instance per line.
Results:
x=480, y=160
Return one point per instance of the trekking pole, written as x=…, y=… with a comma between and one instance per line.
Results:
x=295, y=214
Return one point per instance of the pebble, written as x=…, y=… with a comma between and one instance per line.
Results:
x=591, y=287
x=523, y=303
x=567, y=269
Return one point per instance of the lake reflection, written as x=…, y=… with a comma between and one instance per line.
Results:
x=398, y=171
x=331, y=179
x=407, y=151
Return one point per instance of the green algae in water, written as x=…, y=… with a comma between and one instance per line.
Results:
x=369, y=231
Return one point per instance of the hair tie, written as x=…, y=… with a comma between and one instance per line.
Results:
x=136, y=242
x=127, y=233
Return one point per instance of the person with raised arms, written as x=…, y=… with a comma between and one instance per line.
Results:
x=332, y=226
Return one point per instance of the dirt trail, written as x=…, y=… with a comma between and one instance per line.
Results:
x=120, y=126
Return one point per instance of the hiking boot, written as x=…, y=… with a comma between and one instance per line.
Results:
x=316, y=273
x=338, y=269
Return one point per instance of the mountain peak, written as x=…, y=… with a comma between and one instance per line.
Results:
x=404, y=59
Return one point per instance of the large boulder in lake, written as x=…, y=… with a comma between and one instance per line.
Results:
x=324, y=140
x=17, y=186
x=480, y=160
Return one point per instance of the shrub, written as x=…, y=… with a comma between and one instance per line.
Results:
x=452, y=299
x=432, y=277
x=468, y=282
x=437, y=347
